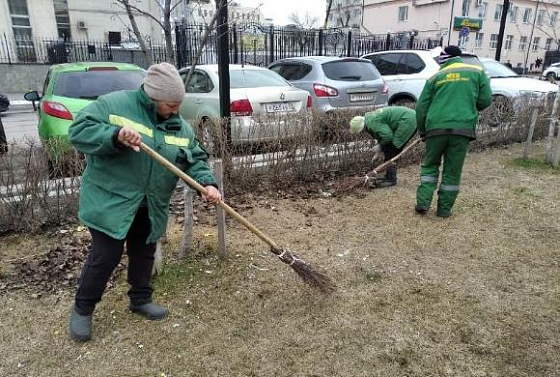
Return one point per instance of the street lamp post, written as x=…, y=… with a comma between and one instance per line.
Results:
x=505, y=9
x=450, y=23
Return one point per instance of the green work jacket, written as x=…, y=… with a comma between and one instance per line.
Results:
x=117, y=180
x=394, y=124
x=451, y=100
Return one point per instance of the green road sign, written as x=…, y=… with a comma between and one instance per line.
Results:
x=474, y=24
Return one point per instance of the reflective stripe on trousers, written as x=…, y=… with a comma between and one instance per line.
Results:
x=428, y=178
x=449, y=187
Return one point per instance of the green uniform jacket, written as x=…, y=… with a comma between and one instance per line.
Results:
x=117, y=179
x=451, y=100
x=394, y=124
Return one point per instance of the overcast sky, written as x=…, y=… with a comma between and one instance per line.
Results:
x=280, y=10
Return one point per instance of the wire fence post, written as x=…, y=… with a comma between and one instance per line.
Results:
x=529, y=141
x=188, y=225
x=219, y=171
x=551, y=128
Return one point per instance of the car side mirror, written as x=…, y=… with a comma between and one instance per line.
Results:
x=32, y=96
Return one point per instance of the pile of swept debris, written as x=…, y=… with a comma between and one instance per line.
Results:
x=53, y=270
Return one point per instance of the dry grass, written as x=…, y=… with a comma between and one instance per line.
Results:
x=476, y=295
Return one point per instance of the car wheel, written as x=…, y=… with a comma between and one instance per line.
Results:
x=551, y=76
x=406, y=102
x=208, y=137
x=500, y=111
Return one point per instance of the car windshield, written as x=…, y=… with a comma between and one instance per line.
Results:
x=255, y=78
x=350, y=70
x=92, y=84
x=496, y=70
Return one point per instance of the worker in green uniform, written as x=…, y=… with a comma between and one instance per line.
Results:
x=125, y=194
x=392, y=127
x=447, y=114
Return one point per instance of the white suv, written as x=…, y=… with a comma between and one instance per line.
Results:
x=405, y=72
x=552, y=73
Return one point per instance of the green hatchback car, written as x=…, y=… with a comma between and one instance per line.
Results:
x=70, y=87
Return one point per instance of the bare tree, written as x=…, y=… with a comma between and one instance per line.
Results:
x=136, y=31
x=329, y=6
x=166, y=7
x=305, y=21
x=550, y=28
x=344, y=16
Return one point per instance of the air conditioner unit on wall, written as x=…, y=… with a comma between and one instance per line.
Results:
x=81, y=25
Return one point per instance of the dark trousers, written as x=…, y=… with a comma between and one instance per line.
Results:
x=104, y=257
x=390, y=151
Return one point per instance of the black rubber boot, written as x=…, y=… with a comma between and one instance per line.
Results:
x=150, y=311
x=390, y=178
x=80, y=326
x=443, y=214
x=421, y=210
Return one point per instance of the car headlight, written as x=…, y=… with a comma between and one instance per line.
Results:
x=531, y=94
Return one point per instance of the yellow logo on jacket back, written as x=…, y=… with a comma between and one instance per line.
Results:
x=451, y=77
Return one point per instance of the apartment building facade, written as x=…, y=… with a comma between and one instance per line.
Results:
x=531, y=28
x=200, y=12
x=73, y=19
x=25, y=25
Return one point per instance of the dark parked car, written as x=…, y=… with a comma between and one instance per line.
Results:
x=3, y=141
x=4, y=102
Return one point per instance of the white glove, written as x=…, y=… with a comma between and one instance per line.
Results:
x=376, y=153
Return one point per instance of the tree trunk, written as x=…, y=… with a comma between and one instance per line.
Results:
x=145, y=51
x=167, y=32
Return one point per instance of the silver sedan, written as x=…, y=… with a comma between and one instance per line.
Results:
x=261, y=103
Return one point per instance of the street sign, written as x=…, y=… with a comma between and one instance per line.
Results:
x=470, y=22
x=465, y=31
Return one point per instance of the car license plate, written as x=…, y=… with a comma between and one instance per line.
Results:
x=359, y=97
x=276, y=107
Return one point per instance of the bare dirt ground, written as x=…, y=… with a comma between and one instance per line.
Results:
x=475, y=295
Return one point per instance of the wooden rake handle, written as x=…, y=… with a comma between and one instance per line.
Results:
x=195, y=185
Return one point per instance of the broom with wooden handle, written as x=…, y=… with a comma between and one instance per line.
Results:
x=354, y=182
x=310, y=275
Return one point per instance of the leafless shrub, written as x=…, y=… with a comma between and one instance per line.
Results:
x=30, y=195
x=275, y=151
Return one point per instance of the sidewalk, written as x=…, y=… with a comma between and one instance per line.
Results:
x=17, y=101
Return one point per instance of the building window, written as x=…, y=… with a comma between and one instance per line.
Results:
x=465, y=8
x=478, y=40
x=62, y=18
x=482, y=9
x=523, y=43
x=22, y=30
x=493, y=41
x=509, y=42
x=540, y=17
x=403, y=13
x=498, y=12
x=527, y=15
x=548, y=44
x=553, y=17
x=513, y=14
x=536, y=42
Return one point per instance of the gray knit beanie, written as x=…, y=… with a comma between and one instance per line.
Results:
x=163, y=83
